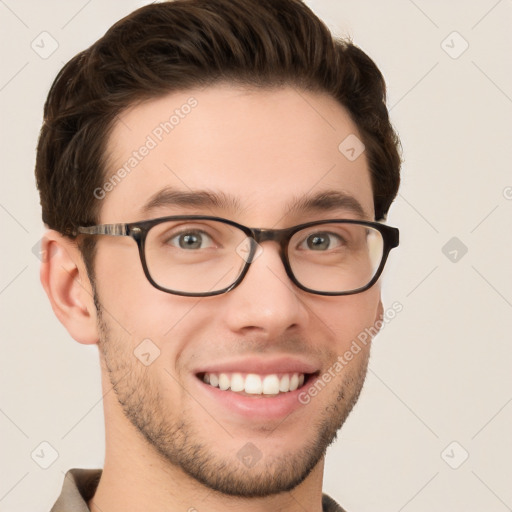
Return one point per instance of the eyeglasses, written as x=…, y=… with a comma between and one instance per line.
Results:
x=199, y=256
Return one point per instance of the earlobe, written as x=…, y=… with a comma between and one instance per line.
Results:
x=65, y=280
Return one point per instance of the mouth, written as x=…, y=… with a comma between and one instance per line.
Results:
x=256, y=384
x=257, y=389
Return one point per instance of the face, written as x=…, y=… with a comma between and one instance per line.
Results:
x=265, y=149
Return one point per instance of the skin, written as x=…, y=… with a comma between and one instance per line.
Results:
x=168, y=446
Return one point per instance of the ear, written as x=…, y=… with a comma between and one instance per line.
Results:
x=65, y=281
x=379, y=316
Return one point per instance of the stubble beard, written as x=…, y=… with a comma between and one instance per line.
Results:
x=176, y=439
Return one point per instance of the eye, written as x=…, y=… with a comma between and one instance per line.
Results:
x=190, y=239
x=323, y=240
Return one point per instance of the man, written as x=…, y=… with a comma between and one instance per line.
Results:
x=211, y=173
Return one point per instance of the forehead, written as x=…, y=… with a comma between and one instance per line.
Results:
x=261, y=151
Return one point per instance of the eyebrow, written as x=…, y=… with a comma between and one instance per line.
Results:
x=324, y=201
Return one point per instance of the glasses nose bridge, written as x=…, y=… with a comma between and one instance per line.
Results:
x=260, y=235
x=280, y=236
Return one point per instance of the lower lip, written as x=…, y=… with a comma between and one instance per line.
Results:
x=258, y=406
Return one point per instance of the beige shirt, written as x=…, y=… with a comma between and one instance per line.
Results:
x=80, y=486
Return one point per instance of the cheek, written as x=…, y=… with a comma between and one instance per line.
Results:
x=139, y=312
x=118, y=268
x=345, y=318
x=127, y=295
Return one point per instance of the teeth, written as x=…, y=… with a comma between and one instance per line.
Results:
x=294, y=382
x=254, y=384
x=271, y=385
x=237, y=382
x=224, y=382
x=284, y=383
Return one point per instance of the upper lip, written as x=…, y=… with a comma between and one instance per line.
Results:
x=260, y=365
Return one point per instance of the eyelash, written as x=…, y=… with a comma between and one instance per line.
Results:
x=203, y=233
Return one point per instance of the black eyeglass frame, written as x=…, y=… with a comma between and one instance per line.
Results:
x=139, y=231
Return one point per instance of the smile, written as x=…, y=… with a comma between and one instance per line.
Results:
x=257, y=388
x=255, y=384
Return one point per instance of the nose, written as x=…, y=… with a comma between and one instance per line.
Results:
x=266, y=302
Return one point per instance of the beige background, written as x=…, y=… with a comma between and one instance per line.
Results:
x=440, y=371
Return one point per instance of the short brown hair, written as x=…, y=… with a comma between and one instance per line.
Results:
x=165, y=47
